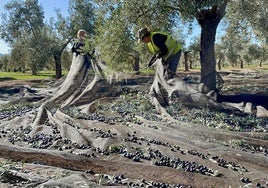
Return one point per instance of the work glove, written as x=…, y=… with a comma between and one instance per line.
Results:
x=153, y=59
x=159, y=55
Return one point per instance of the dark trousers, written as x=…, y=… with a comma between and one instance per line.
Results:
x=172, y=65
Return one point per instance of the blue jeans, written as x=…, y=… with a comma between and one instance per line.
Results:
x=172, y=64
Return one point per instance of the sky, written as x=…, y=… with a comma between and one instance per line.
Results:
x=49, y=7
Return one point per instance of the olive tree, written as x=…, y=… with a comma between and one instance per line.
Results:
x=248, y=21
x=23, y=23
x=113, y=37
x=251, y=13
x=117, y=23
x=164, y=14
x=61, y=30
x=4, y=60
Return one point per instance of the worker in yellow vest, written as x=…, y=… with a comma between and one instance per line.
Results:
x=162, y=45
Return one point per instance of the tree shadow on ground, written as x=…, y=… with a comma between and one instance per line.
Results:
x=6, y=78
x=254, y=99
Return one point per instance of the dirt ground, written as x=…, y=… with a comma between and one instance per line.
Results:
x=125, y=149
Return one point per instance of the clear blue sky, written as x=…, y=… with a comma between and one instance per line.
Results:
x=49, y=7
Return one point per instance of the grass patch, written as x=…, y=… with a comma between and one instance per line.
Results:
x=27, y=75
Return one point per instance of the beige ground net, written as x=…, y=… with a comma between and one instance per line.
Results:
x=85, y=137
x=77, y=89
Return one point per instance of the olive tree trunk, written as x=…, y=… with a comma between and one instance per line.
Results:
x=209, y=20
x=57, y=59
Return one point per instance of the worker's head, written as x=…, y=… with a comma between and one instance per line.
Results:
x=143, y=35
x=81, y=34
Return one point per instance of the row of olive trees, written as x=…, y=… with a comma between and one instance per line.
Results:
x=245, y=38
x=232, y=51
x=113, y=26
x=21, y=29
x=35, y=43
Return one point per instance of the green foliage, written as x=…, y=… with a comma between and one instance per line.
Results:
x=246, y=33
x=82, y=16
x=251, y=13
x=23, y=29
x=34, y=43
x=4, y=61
x=21, y=17
x=113, y=39
x=195, y=51
x=112, y=27
x=116, y=36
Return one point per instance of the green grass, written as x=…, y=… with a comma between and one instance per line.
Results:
x=27, y=75
x=51, y=74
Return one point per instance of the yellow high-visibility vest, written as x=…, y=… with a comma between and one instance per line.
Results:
x=173, y=45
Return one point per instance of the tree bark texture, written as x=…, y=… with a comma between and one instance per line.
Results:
x=57, y=59
x=208, y=20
